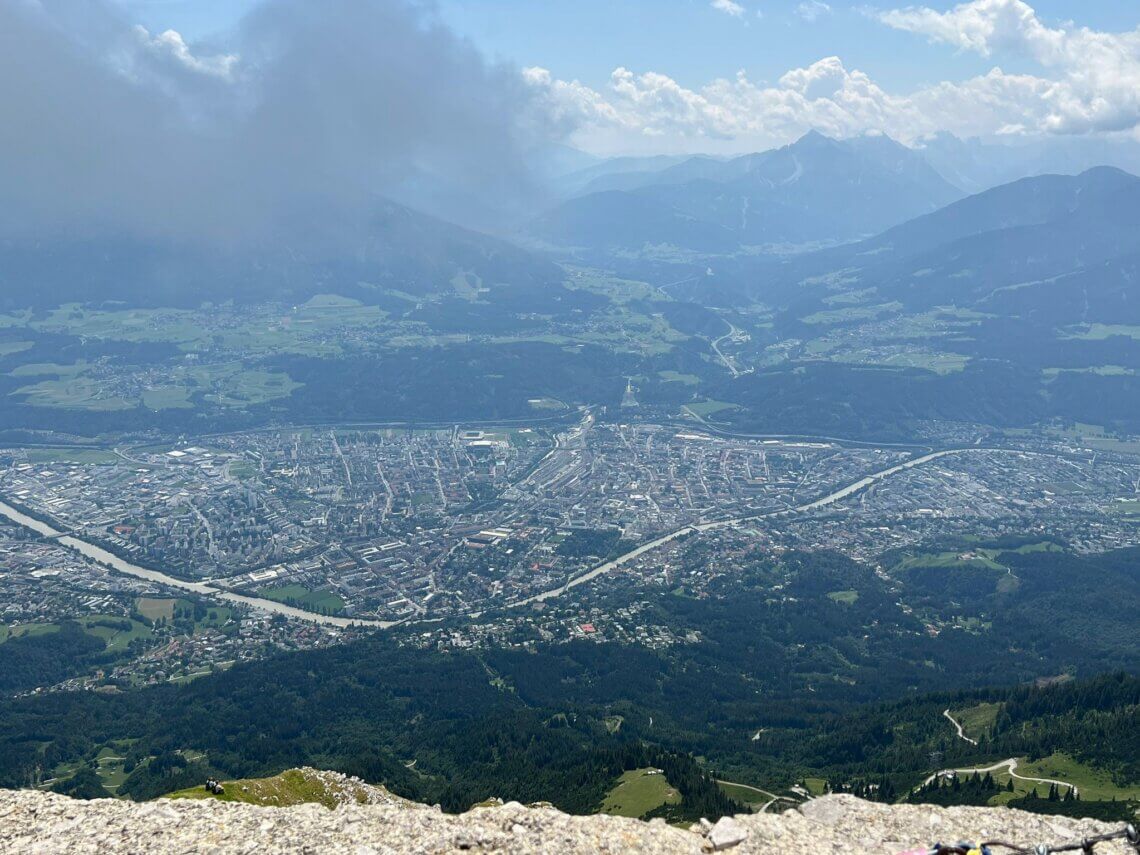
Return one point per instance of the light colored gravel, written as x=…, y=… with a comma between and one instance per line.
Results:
x=48, y=824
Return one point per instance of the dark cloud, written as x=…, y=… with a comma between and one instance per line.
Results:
x=295, y=124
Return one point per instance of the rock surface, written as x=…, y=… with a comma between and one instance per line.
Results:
x=47, y=824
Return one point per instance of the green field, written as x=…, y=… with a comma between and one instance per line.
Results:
x=232, y=385
x=117, y=640
x=29, y=630
x=848, y=598
x=1098, y=332
x=1098, y=370
x=678, y=377
x=227, y=383
x=7, y=348
x=153, y=609
x=49, y=369
x=751, y=796
x=1093, y=784
x=167, y=398
x=306, y=329
x=292, y=787
x=850, y=314
x=637, y=792
x=704, y=409
x=90, y=456
x=318, y=600
x=977, y=720
x=968, y=558
x=618, y=290
x=242, y=469
x=548, y=404
x=816, y=786
x=939, y=363
x=1119, y=446
x=109, y=764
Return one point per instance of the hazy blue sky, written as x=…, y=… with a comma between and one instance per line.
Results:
x=730, y=75
x=687, y=39
x=725, y=75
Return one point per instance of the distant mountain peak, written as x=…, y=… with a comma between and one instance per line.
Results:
x=1112, y=173
x=814, y=139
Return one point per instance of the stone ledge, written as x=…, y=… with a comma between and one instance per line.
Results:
x=49, y=824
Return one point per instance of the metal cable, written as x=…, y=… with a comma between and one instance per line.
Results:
x=1086, y=845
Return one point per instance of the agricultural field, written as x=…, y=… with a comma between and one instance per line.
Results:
x=85, y=387
x=304, y=329
x=616, y=289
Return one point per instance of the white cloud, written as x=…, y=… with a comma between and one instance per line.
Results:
x=729, y=7
x=1089, y=82
x=170, y=43
x=812, y=10
x=1096, y=75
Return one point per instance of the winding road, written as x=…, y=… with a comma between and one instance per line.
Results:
x=772, y=797
x=1011, y=766
x=958, y=727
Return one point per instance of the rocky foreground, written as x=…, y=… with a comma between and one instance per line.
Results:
x=35, y=822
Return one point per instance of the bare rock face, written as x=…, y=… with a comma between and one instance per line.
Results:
x=48, y=824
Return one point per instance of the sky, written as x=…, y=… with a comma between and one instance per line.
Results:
x=729, y=76
x=246, y=120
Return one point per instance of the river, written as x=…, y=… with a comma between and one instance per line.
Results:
x=101, y=555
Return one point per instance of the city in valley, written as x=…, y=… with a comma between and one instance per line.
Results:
x=186, y=557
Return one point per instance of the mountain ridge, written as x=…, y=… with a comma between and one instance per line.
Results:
x=816, y=190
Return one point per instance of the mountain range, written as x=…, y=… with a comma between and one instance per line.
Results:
x=397, y=249
x=816, y=191
x=1058, y=249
